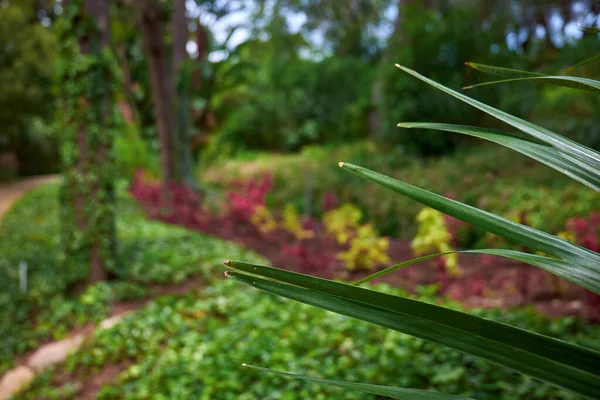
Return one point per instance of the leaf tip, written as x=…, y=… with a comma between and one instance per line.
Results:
x=227, y=263
x=244, y=365
x=226, y=273
x=341, y=164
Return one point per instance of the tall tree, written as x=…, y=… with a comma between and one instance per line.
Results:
x=152, y=19
x=181, y=80
x=88, y=73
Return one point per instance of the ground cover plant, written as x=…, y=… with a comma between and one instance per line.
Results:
x=151, y=253
x=193, y=346
x=557, y=362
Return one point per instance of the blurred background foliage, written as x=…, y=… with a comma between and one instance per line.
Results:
x=311, y=82
x=267, y=96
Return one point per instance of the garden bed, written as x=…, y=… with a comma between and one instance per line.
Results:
x=481, y=280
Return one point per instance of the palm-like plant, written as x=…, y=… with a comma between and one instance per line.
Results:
x=560, y=363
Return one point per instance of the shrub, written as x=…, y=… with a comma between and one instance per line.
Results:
x=366, y=249
x=434, y=237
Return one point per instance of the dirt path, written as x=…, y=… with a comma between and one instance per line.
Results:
x=11, y=191
x=55, y=352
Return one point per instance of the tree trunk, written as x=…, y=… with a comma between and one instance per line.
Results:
x=127, y=105
x=184, y=164
x=152, y=30
x=202, y=43
x=87, y=194
x=394, y=40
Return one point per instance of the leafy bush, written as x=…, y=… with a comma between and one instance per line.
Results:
x=283, y=108
x=434, y=237
x=150, y=253
x=132, y=153
x=366, y=249
x=194, y=346
x=439, y=53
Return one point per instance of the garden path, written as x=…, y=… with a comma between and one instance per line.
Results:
x=55, y=352
x=11, y=191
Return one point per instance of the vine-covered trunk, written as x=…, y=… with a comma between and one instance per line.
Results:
x=87, y=193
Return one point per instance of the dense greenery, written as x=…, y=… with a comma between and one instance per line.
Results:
x=138, y=93
x=193, y=347
x=557, y=362
x=150, y=253
x=26, y=100
x=282, y=88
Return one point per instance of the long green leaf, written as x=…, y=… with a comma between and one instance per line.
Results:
x=401, y=265
x=573, y=82
x=574, y=149
x=516, y=73
x=569, y=366
x=543, y=153
x=564, y=269
x=581, y=260
x=501, y=71
x=389, y=391
x=581, y=64
x=590, y=29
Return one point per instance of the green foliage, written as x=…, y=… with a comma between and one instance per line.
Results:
x=194, y=346
x=559, y=363
x=280, y=107
x=150, y=253
x=439, y=43
x=26, y=78
x=132, y=153
x=541, y=207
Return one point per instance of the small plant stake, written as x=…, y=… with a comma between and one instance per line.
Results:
x=23, y=276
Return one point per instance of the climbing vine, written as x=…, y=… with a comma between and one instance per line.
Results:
x=89, y=80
